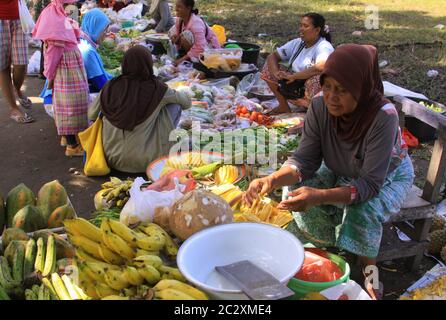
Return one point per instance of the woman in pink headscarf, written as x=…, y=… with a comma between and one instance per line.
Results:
x=65, y=72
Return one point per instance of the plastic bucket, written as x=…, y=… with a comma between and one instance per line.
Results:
x=251, y=51
x=301, y=288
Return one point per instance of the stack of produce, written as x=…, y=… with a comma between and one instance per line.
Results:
x=23, y=210
x=436, y=290
x=116, y=262
x=114, y=194
x=28, y=263
x=264, y=210
x=255, y=116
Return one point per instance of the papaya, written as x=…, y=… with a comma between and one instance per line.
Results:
x=18, y=198
x=29, y=219
x=61, y=213
x=12, y=247
x=11, y=234
x=64, y=249
x=2, y=215
x=51, y=196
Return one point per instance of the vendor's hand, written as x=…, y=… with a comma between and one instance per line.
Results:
x=50, y=84
x=280, y=75
x=301, y=199
x=257, y=188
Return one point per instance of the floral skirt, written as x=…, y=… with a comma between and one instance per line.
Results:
x=356, y=228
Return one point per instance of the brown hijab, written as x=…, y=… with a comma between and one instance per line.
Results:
x=131, y=98
x=356, y=68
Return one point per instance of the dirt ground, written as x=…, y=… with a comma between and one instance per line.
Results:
x=32, y=155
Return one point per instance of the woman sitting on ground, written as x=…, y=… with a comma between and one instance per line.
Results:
x=94, y=26
x=191, y=33
x=351, y=168
x=306, y=54
x=139, y=113
x=160, y=12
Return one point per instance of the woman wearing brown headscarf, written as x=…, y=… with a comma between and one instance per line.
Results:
x=351, y=168
x=139, y=112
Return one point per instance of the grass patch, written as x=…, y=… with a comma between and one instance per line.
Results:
x=406, y=36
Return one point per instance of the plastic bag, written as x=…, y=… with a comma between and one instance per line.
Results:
x=317, y=268
x=247, y=83
x=34, y=63
x=220, y=32
x=130, y=12
x=142, y=204
x=26, y=20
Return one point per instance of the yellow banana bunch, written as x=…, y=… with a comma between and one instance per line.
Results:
x=171, y=273
x=150, y=274
x=124, y=232
x=226, y=174
x=103, y=290
x=89, y=246
x=115, y=297
x=142, y=261
x=59, y=287
x=170, y=247
x=172, y=294
x=142, y=252
x=180, y=286
x=116, y=279
x=115, y=242
x=109, y=256
x=82, y=227
x=154, y=239
x=85, y=257
x=132, y=276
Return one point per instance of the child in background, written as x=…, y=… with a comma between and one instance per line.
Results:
x=65, y=72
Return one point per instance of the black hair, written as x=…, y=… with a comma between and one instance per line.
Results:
x=318, y=22
x=190, y=4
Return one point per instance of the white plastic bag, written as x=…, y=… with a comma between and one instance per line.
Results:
x=34, y=63
x=142, y=204
x=26, y=20
x=131, y=12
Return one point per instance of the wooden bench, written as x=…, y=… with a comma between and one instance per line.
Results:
x=416, y=214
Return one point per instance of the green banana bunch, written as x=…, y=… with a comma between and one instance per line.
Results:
x=7, y=282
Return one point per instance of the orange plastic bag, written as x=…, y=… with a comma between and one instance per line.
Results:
x=318, y=269
x=410, y=139
x=220, y=32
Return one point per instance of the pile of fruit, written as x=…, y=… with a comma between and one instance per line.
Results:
x=255, y=116
x=114, y=194
x=23, y=210
x=263, y=211
x=116, y=262
x=216, y=172
x=29, y=264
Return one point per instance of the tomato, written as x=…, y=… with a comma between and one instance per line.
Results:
x=343, y=297
x=253, y=117
x=260, y=118
x=245, y=110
